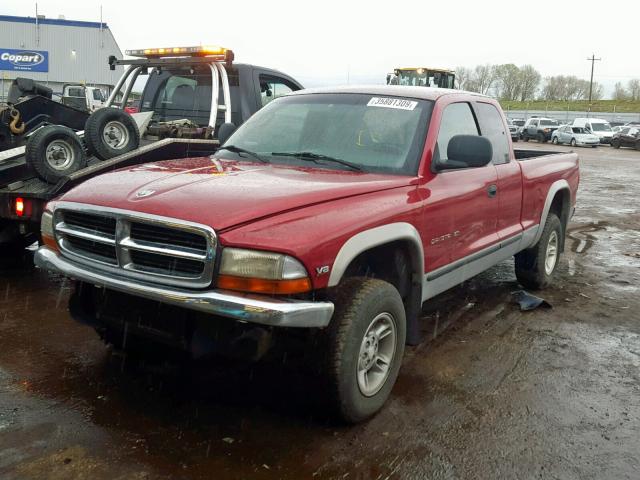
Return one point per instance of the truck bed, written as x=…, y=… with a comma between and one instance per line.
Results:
x=524, y=155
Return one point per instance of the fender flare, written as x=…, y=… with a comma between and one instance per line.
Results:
x=555, y=187
x=375, y=237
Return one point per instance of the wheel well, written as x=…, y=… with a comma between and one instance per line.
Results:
x=560, y=206
x=398, y=263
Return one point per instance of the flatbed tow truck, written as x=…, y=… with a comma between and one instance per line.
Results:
x=190, y=93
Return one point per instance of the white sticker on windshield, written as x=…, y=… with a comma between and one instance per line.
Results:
x=386, y=102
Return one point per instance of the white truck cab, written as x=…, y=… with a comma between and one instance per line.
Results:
x=83, y=97
x=597, y=126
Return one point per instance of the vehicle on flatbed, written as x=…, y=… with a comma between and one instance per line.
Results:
x=333, y=213
x=189, y=93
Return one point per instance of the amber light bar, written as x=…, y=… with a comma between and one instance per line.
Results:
x=200, y=51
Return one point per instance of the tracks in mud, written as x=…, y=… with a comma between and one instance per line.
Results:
x=582, y=235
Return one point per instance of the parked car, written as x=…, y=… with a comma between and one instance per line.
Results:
x=597, y=126
x=627, y=137
x=513, y=130
x=539, y=129
x=334, y=220
x=617, y=128
x=574, y=136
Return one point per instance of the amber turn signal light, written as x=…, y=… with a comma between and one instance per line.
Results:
x=259, y=285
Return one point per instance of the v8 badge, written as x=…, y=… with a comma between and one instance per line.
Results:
x=323, y=270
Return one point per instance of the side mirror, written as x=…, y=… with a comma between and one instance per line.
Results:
x=466, y=151
x=225, y=131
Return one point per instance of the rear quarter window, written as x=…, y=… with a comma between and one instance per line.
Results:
x=492, y=127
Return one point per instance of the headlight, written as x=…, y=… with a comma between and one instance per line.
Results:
x=46, y=230
x=262, y=272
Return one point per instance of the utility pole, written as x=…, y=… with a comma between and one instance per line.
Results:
x=593, y=60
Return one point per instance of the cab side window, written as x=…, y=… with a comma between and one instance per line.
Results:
x=457, y=119
x=492, y=127
x=273, y=87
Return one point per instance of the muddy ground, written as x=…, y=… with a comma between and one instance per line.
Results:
x=494, y=393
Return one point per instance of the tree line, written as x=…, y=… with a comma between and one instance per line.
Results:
x=508, y=82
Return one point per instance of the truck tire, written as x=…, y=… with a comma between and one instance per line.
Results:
x=536, y=265
x=542, y=138
x=365, y=345
x=110, y=132
x=55, y=152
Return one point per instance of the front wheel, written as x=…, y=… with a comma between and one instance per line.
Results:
x=541, y=138
x=365, y=345
x=573, y=142
x=536, y=265
x=615, y=143
x=554, y=140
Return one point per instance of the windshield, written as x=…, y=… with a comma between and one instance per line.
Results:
x=548, y=122
x=600, y=127
x=519, y=123
x=375, y=133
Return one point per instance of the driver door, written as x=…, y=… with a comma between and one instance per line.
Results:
x=461, y=215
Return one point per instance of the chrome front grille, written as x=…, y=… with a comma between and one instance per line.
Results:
x=147, y=247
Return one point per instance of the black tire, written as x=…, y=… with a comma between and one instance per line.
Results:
x=638, y=145
x=573, y=142
x=55, y=152
x=515, y=140
x=358, y=302
x=124, y=133
x=525, y=138
x=542, y=138
x=615, y=143
x=554, y=140
x=531, y=270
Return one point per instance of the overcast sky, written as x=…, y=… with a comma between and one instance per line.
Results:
x=360, y=41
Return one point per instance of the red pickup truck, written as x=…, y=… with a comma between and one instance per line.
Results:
x=335, y=213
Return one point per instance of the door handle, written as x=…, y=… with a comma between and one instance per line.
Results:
x=492, y=190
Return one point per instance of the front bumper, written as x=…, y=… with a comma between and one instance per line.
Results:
x=245, y=308
x=605, y=140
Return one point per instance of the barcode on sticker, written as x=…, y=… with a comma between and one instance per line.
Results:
x=386, y=102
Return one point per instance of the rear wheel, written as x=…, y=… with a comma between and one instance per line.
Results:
x=536, y=265
x=541, y=138
x=55, y=152
x=365, y=345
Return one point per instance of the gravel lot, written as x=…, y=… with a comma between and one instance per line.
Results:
x=494, y=393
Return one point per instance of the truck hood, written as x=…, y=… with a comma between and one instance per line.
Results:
x=224, y=193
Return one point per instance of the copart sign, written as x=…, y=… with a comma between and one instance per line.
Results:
x=24, y=60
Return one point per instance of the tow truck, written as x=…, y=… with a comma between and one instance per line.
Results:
x=422, y=77
x=190, y=92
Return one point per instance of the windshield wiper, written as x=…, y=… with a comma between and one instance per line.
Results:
x=240, y=150
x=316, y=157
